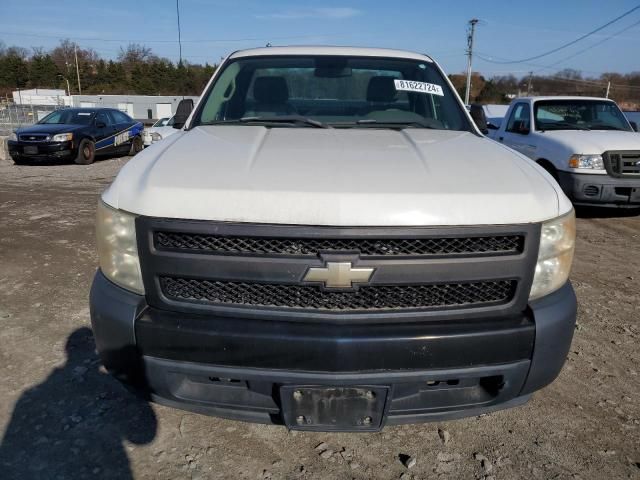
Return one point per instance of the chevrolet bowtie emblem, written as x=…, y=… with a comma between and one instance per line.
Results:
x=338, y=275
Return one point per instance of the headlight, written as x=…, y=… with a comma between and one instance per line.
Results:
x=156, y=137
x=13, y=136
x=593, y=162
x=557, y=242
x=117, y=248
x=62, y=137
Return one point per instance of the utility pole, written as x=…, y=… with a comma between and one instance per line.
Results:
x=608, y=89
x=529, y=85
x=472, y=29
x=75, y=53
x=179, y=33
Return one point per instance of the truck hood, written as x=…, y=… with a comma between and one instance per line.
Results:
x=340, y=177
x=593, y=141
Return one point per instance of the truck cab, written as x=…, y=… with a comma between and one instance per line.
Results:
x=587, y=144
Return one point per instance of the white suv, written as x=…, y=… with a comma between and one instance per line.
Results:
x=330, y=243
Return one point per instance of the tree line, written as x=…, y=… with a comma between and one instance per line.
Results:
x=137, y=70
x=623, y=88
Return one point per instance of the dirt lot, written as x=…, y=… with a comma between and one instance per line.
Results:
x=63, y=417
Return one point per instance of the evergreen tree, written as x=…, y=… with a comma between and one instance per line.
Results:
x=43, y=72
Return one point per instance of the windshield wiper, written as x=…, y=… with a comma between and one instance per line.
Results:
x=601, y=126
x=365, y=122
x=293, y=119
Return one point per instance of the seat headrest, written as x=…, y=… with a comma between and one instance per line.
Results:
x=381, y=89
x=272, y=90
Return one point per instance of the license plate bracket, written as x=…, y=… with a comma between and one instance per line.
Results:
x=31, y=150
x=334, y=408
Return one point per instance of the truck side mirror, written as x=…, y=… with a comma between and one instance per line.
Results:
x=634, y=125
x=182, y=112
x=479, y=118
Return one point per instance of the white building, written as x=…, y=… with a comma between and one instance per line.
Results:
x=41, y=96
x=140, y=107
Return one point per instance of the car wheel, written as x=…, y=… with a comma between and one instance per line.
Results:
x=86, y=152
x=136, y=146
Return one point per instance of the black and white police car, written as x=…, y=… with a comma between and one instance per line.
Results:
x=77, y=134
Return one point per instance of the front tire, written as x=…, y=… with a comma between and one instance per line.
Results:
x=20, y=161
x=136, y=146
x=86, y=152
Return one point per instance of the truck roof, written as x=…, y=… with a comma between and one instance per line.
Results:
x=325, y=50
x=559, y=97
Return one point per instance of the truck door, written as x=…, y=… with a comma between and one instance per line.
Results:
x=517, y=131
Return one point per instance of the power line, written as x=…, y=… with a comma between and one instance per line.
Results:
x=486, y=58
x=573, y=55
x=580, y=52
x=573, y=42
x=569, y=80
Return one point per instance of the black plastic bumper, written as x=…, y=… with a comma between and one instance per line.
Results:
x=43, y=150
x=600, y=190
x=240, y=368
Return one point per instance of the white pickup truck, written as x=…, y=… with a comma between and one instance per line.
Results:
x=329, y=242
x=587, y=144
x=158, y=132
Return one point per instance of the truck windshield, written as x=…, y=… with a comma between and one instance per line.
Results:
x=329, y=91
x=579, y=115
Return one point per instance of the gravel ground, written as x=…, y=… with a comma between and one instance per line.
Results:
x=64, y=417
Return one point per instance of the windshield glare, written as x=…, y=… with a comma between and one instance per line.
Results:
x=337, y=91
x=579, y=115
x=69, y=117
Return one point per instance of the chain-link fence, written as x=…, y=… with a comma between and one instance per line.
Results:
x=13, y=116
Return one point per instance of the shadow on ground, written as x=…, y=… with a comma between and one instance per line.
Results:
x=52, y=161
x=76, y=423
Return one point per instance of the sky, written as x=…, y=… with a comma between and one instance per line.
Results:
x=211, y=29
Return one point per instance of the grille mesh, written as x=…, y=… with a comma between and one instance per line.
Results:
x=373, y=297
x=311, y=246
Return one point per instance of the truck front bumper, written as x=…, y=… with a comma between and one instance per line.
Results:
x=245, y=369
x=600, y=190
